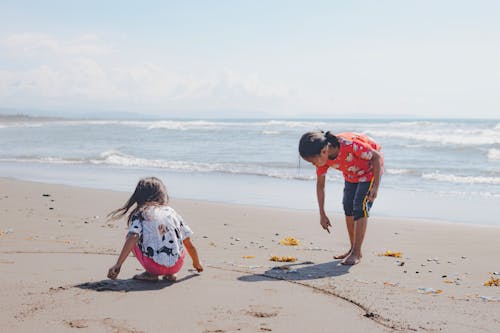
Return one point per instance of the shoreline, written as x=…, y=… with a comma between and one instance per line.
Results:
x=254, y=191
x=437, y=288
x=391, y=218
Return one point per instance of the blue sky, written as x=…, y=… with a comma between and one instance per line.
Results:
x=252, y=58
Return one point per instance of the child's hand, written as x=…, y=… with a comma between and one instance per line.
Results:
x=114, y=271
x=372, y=195
x=198, y=267
x=325, y=222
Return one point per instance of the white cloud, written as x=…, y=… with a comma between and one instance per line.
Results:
x=34, y=44
x=86, y=70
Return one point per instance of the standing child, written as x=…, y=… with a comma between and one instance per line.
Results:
x=359, y=158
x=156, y=234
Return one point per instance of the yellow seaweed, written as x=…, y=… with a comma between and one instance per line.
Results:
x=492, y=282
x=289, y=241
x=390, y=253
x=283, y=259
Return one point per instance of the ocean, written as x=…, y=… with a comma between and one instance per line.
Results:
x=447, y=170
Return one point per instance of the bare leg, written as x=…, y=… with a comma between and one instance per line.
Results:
x=349, y=222
x=359, y=235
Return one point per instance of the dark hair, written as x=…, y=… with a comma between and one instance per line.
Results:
x=311, y=143
x=149, y=191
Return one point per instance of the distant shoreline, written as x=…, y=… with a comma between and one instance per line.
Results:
x=13, y=116
x=26, y=118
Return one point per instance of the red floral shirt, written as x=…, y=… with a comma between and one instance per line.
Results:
x=354, y=158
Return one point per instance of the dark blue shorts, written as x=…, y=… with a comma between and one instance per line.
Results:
x=355, y=199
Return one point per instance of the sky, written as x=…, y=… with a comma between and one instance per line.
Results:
x=283, y=58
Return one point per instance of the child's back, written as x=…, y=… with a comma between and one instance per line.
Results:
x=156, y=234
x=161, y=233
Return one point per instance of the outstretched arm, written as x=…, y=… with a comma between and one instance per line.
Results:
x=193, y=254
x=127, y=247
x=320, y=193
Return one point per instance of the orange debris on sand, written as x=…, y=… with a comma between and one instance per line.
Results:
x=289, y=241
x=439, y=291
x=390, y=253
x=492, y=282
x=283, y=259
x=248, y=257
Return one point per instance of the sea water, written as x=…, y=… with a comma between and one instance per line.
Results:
x=439, y=169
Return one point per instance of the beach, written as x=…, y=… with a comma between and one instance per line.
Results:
x=56, y=246
x=247, y=111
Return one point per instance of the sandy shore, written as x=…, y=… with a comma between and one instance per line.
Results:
x=56, y=247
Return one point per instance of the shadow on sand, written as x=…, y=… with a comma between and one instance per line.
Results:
x=130, y=284
x=299, y=272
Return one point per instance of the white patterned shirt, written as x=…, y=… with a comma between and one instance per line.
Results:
x=161, y=232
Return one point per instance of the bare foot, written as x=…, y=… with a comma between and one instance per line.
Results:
x=170, y=277
x=351, y=259
x=146, y=277
x=342, y=256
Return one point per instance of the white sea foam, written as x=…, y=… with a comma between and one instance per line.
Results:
x=114, y=157
x=187, y=125
x=297, y=124
x=417, y=131
x=148, y=124
x=21, y=124
x=399, y=171
x=494, y=154
x=51, y=160
x=462, y=179
x=464, y=137
x=117, y=158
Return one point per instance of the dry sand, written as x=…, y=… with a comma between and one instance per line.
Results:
x=56, y=247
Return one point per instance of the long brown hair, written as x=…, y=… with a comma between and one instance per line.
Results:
x=149, y=191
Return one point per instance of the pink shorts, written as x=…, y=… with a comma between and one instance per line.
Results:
x=153, y=267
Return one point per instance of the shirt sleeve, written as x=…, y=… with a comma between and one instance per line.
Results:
x=186, y=231
x=322, y=170
x=135, y=226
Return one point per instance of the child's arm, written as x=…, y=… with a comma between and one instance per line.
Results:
x=127, y=247
x=377, y=173
x=320, y=193
x=193, y=253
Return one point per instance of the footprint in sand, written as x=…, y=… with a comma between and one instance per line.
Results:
x=108, y=323
x=263, y=312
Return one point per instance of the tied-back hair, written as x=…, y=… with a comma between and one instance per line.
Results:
x=149, y=191
x=311, y=143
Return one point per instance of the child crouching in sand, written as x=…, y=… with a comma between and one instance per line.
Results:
x=156, y=234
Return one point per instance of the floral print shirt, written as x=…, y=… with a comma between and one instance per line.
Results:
x=161, y=232
x=354, y=158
